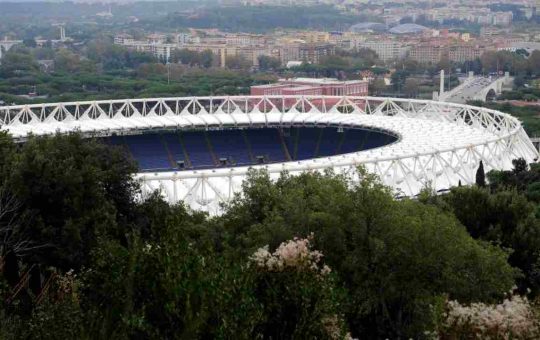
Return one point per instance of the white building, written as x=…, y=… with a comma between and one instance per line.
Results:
x=386, y=50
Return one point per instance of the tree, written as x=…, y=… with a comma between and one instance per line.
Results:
x=534, y=62
x=520, y=166
x=268, y=63
x=398, y=79
x=148, y=70
x=333, y=64
x=206, y=58
x=17, y=63
x=372, y=241
x=237, y=62
x=30, y=42
x=378, y=86
x=505, y=217
x=115, y=57
x=410, y=88
x=444, y=64
x=519, y=82
x=481, y=176
x=186, y=57
x=66, y=61
x=368, y=56
x=72, y=190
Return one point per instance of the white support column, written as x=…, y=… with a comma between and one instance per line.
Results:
x=441, y=85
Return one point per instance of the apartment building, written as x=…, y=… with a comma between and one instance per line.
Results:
x=462, y=53
x=427, y=53
x=387, y=50
x=313, y=53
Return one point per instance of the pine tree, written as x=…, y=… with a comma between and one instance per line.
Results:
x=481, y=176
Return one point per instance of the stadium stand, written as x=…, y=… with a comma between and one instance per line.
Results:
x=329, y=142
x=148, y=150
x=197, y=149
x=265, y=142
x=230, y=144
x=176, y=150
x=220, y=148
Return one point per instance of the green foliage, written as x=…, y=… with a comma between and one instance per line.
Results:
x=109, y=71
x=268, y=63
x=17, y=64
x=481, y=175
x=373, y=242
x=148, y=269
x=237, y=62
x=298, y=305
x=192, y=58
x=114, y=57
x=170, y=286
x=504, y=217
x=72, y=191
x=263, y=18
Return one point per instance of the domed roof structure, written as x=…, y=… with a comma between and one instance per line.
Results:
x=408, y=29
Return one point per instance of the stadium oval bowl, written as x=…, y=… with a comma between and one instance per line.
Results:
x=436, y=143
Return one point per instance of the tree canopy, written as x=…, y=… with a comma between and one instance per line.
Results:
x=314, y=255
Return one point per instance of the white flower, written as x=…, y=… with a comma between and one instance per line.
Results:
x=513, y=318
x=294, y=254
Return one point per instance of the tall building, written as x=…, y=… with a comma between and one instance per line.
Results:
x=313, y=53
x=387, y=50
x=462, y=53
x=427, y=53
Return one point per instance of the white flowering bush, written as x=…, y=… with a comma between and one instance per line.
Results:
x=514, y=318
x=297, y=292
x=295, y=254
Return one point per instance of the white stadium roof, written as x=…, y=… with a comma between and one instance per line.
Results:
x=408, y=29
x=438, y=143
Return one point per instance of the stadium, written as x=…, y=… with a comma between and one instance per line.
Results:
x=200, y=149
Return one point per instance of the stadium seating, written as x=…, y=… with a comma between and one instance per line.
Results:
x=230, y=144
x=149, y=152
x=204, y=149
x=302, y=142
x=265, y=142
x=197, y=149
x=172, y=140
x=329, y=142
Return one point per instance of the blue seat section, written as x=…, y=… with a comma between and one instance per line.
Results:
x=265, y=142
x=358, y=140
x=175, y=148
x=354, y=141
x=148, y=151
x=197, y=149
x=329, y=142
x=376, y=139
x=289, y=135
x=230, y=144
x=307, y=143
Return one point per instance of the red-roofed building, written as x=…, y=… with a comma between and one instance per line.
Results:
x=312, y=86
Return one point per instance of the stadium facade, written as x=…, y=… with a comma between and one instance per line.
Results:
x=200, y=149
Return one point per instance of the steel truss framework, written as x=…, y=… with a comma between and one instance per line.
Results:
x=439, y=144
